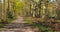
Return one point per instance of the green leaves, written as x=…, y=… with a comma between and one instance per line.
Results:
x=19, y=5
x=9, y=14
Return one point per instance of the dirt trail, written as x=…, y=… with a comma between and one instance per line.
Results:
x=19, y=25
x=19, y=20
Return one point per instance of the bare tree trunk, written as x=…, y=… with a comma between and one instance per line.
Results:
x=0, y=10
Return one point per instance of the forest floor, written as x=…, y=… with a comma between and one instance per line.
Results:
x=18, y=25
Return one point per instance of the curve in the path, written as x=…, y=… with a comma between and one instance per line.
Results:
x=18, y=20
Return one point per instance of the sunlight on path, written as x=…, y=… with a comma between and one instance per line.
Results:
x=19, y=20
x=19, y=25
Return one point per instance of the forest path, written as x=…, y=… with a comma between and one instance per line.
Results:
x=19, y=25
x=19, y=20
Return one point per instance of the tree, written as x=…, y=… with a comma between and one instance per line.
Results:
x=58, y=9
x=0, y=9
